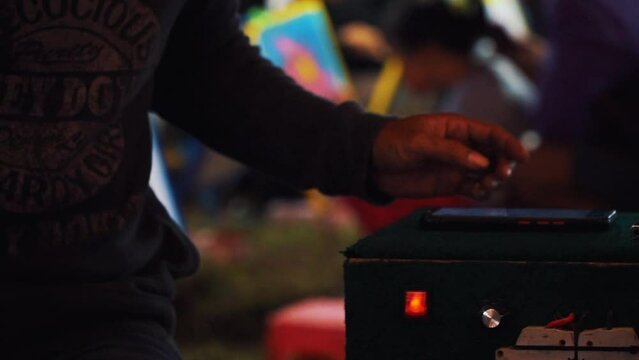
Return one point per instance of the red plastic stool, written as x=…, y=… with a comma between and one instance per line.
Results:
x=313, y=328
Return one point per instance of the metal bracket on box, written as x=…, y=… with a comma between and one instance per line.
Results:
x=536, y=343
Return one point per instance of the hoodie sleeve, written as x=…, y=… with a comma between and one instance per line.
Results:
x=213, y=84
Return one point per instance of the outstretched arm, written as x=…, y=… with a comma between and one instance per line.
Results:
x=216, y=86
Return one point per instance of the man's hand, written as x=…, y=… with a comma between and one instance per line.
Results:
x=443, y=154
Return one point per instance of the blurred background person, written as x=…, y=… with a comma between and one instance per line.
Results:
x=450, y=48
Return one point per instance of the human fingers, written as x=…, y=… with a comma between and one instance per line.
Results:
x=504, y=168
x=450, y=152
x=486, y=135
x=501, y=140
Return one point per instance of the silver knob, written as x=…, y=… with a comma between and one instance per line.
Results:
x=491, y=318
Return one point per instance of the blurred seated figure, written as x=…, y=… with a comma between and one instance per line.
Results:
x=588, y=112
x=450, y=48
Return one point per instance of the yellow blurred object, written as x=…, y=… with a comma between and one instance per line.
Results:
x=386, y=86
x=307, y=68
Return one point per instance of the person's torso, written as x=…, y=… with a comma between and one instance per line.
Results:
x=75, y=90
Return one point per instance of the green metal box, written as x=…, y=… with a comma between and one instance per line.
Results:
x=530, y=278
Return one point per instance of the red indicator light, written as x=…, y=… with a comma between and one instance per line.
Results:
x=523, y=222
x=416, y=303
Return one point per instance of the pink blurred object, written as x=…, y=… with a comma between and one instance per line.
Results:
x=310, y=328
x=302, y=66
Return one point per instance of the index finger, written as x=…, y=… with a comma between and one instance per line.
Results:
x=493, y=136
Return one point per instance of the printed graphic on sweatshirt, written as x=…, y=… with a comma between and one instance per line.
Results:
x=23, y=239
x=67, y=67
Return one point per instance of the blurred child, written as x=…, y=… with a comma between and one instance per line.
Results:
x=446, y=47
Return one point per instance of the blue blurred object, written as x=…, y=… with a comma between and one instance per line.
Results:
x=159, y=179
x=299, y=38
